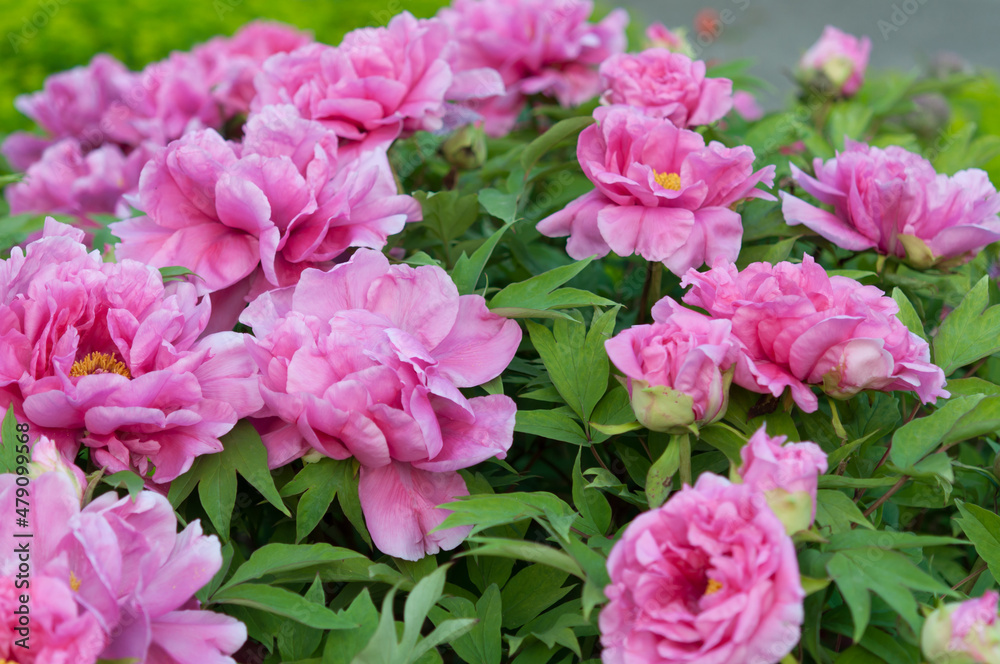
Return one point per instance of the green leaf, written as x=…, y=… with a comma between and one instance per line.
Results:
x=129, y=480
x=418, y=604
x=528, y=551
x=659, y=479
x=540, y=292
x=448, y=214
x=970, y=332
x=837, y=511
x=244, y=449
x=174, y=272
x=726, y=439
x=576, y=361
x=501, y=205
x=272, y=561
x=982, y=527
x=591, y=503
x=769, y=253
x=960, y=418
x=467, y=269
x=10, y=443
x=446, y=632
x=317, y=480
x=908, y=315
x=557, y=133
x=486, y=632
x=850, y=119
x=342, y=645
x=283, y=603
x=885, y=539
x=298, y=641
x=217, y=491
x=551, y=424
x=531, y=591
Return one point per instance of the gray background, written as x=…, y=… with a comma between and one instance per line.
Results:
x=775, y=33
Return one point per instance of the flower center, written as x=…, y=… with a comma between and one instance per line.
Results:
x=712, y=587
x=99, y=363
x=74, y=582
x=668, y=180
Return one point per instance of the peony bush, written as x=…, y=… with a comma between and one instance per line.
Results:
x=491, y=337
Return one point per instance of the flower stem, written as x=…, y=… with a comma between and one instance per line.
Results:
x=684, y=451
x=650, y=290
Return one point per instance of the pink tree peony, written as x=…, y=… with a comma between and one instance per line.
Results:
x=666, y=85
x=801, y=327
x=251, y=217
x=709, y=577
x=366, y=361
x=106, y=355
x=893, y=201
x=660, y=36
x=660, y=193
x=787, y=475
x=113, y=580
x=837, y=62
x=963, y=632
x=538, y=46
x=679, y=368
x=377, y=83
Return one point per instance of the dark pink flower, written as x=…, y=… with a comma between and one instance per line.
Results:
x=678, y=369
x=801, y=327
x=105, y=355
x=709, y=577
x=660, y=193
x=377, y=83
x=667, y=85
x=366, y=361
x=894, y=201
x=252, y=216
x=538, y=46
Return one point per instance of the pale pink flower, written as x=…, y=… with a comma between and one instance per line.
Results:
x=841, y=59
x=709, y=577
x=893, y=201
x=667, y=85
x=787, y=474
x=660, y=193
x=801, y=327
x=660, y=36
x=963, y=632
x=366, y=361
x=678, y=369
x=112, y=580
x=538, y=46
x=105, y=355
x=746, y=105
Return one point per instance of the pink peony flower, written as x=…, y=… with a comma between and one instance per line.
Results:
x=839, y=58
x=801, y=327
x=709, y=577
x=963, y=632
x=660, y=36
x=366, y=361
x=378, y=83
x=110, y=581
x=105, y=355
x=788, y=476
x=666, y=85
x=678, y=369
x=251, y=217
x=68, y=180
x=71, y=104
x=893, y=201
x=746, y=105
x=538, y=46
x=661, y=193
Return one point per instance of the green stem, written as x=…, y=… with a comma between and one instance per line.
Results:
x=655, y=284
x=684, y=451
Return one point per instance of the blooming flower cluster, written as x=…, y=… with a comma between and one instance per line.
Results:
x=366, y=361
x=113, y=580
x=712, y=575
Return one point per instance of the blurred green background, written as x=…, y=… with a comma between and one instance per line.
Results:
x=41, y=37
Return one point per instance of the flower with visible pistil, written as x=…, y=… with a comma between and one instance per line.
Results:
x=660, y=193
x=106, y=355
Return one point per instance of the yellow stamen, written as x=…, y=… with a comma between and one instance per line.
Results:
x=99, y=363
x=668, y=180
x=713, y=587
x=74, y=582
